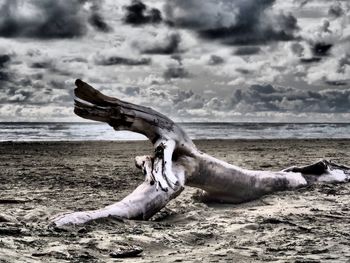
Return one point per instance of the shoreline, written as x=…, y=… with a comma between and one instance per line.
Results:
x=194, y=140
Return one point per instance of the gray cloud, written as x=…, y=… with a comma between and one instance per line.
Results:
x=310, y=60
x=244, y=71
x=321, y=49
x=184, y=99
x=281, y=99
x=297, y=49
x=167, y=46
x=117, y=60
x=97, y=21
x=215, y=60
x=343, y=62
x=232, y=22
x=248, y=50
x=131, y=91
x=4, y=76
x=5, y=60
x=336, y=83
x=49, y=19
x=336, y=10
x=320, y=43
x=175, y=72
x=32, y=89
x=138, y=13
x=22, y=90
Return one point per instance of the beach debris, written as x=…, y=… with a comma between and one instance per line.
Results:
x=13, y=201
x=126, y=252
x=176, y=161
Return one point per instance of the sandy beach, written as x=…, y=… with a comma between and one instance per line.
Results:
x=42, y=179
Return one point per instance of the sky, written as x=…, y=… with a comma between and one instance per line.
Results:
x=193, y=60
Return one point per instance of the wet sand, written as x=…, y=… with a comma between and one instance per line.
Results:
x=40, y=180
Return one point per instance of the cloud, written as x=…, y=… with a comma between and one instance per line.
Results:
x=336, y=10
x=321, y=49
x=162, y=45
x=47, y=19
x=187, y=100
x=25, y=91
x=282, y=99
x=137, y=13
x=215, y=60
x=343, y=62
x=310, y=60
x=248, y=50
x=297, y=49
x=97, y=21
x=336, y=83
x=317, y=44
x=321, y=42
x=106, y=60
x=5, y=60
x=238, y=22
x=131, y=91
x=175, y=72
x=29, y=85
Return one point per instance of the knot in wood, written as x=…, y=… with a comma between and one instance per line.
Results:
x=159, y=151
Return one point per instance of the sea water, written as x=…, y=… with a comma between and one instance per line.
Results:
x=98, y=131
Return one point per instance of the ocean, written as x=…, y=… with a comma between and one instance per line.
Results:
x=99, y=131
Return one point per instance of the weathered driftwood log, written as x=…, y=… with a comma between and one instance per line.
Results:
x=177, y=162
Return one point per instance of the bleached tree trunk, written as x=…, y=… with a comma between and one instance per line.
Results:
x=177, y=162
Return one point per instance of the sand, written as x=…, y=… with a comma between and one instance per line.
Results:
x=40, y=180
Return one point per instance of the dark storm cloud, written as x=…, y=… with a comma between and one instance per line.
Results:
x=321, y=49
x=5, y=60
x=168, y=46
x=336, y=83
x=281, y=99
x=4, y=76
x=175, y=72
x=49, y=19
x=138, y=13
x=97, y=21
x=238, y=22
x=117, y=60
x=247, y=51
x=310, y=60
x=319, y=45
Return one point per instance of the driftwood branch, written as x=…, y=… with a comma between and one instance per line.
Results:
x=177, y=162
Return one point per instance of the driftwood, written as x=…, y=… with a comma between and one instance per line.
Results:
x=177, y=162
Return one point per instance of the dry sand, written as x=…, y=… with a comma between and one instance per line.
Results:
x=40, y=180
